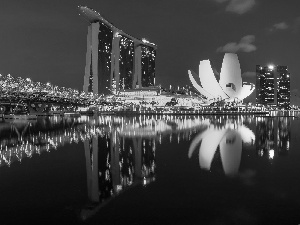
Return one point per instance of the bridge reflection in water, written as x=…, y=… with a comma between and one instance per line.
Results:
x=25, y=138
x=120, y=151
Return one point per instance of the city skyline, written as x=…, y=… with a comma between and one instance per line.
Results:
x=49, y=44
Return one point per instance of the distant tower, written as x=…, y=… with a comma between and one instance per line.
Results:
x=114, y=59
x=273, y=86
x=283, y=89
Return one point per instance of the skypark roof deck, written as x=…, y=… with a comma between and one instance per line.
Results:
x=93, y=16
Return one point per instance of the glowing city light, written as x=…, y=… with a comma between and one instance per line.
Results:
x=145, y=40
x=271, y=154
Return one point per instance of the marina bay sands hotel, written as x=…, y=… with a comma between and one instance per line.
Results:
x=115, y=60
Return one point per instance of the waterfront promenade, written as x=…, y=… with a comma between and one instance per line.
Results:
x=191, y=111
x=153, y=111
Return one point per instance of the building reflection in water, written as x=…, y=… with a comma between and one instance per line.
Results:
x=26, y=138
x=120, y=151
x=125, y=156
x=227, y=138
x=115, y=163
x=273, y=136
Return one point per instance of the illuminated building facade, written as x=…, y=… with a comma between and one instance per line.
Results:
x=115, y=60
x=273, y=86
x=230, y=86
x=127, y=63
x=148, y=66
x=283, y=89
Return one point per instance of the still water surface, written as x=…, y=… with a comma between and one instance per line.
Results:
x=150, y=170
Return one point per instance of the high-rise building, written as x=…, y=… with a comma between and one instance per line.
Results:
x=148, y=66
x=115, y=60
x=283, y=87
x=273, y=86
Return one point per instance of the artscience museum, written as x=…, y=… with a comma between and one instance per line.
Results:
x=230, y=86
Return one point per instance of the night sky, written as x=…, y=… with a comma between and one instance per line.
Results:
x=46, y=40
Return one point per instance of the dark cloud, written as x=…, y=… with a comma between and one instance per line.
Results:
x=280, y=26
x=244, y=45
x=238, y=6
x=249, y=74
x=294, y=26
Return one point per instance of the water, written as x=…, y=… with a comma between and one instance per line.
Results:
x=150, y=170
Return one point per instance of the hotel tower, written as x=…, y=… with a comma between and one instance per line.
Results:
x=115, y=60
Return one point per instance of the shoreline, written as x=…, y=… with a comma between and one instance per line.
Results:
x=278, y=113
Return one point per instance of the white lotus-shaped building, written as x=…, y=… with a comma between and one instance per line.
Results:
x=230, y=86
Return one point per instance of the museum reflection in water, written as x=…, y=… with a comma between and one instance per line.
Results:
x=120, y=151
x=273, y=135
